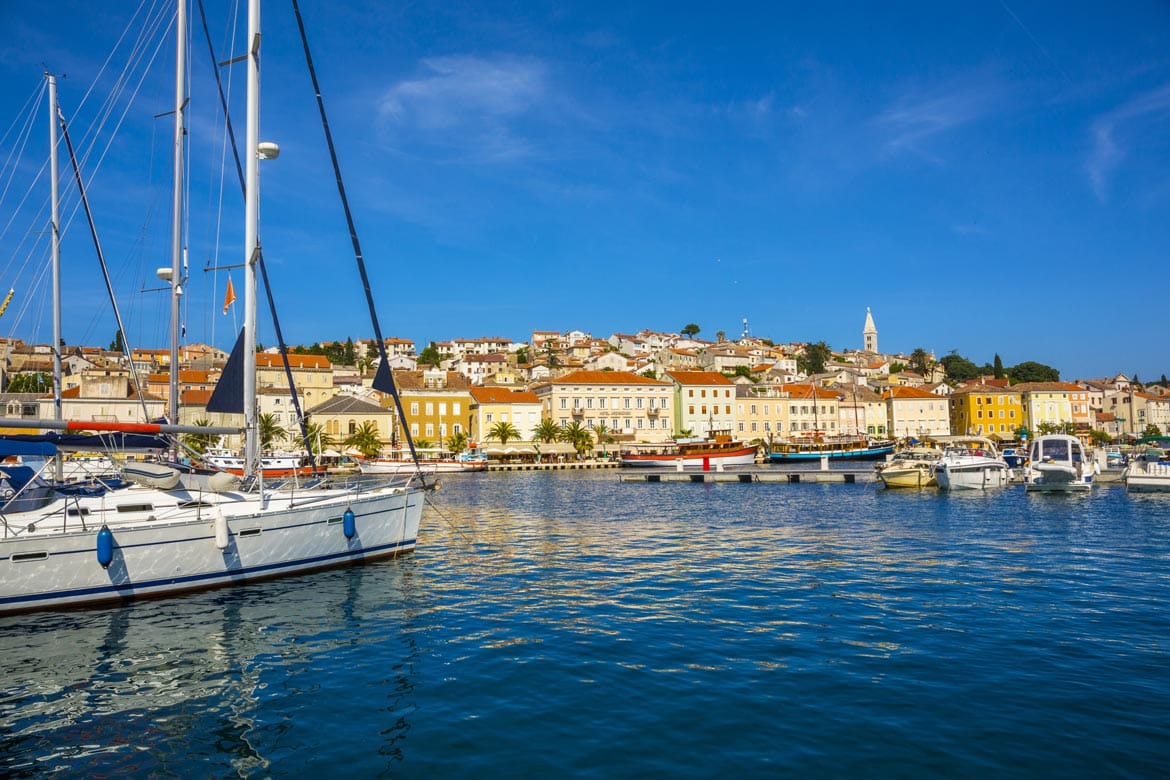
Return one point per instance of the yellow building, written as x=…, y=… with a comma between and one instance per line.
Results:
x=312, y=375
x=437, y=403
x=1046, y=404
x=704, y=402
x=914, y=412
x=985, y=410
x=493, y=405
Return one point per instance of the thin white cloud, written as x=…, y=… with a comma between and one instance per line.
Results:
x=1108, y=130
x=468, y=104
x=914, y=120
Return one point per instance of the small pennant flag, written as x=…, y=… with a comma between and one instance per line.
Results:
x=230, y=297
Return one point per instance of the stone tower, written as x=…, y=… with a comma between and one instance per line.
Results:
x=869, y=334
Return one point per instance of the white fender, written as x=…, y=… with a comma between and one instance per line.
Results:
x=221, y=529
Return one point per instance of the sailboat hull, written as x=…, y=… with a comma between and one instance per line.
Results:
x=163, y=547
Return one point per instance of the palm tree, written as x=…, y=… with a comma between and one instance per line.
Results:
x=457, y=442
x=270, y=431
x=547, y=431
x=199, y=442
x=503, y=431
x=319, y=440
x=577, y=435
x=601, y=431
x=365, y=439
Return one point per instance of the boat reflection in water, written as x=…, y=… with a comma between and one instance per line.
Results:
x=153, y=687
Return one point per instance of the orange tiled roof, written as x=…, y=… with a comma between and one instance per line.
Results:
x=502, y=395
x=699, y=378
x=606, y=378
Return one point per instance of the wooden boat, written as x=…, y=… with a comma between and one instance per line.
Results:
x=719, y=450
x=832, y=447
x=1057, y=462
x=471, y=460
x=910, y=468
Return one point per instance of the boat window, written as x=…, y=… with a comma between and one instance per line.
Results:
x=134, y=507
x=78, y=511
x=250, y=532
x=195, y=505
x=40, y=555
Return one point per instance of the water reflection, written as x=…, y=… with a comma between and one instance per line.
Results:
x=157, y=687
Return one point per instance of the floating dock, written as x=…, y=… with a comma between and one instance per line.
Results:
x=749, y=475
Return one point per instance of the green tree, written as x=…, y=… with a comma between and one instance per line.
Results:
x=503, y=432
x=649, y=374
x=118, y=344
x=579, y=436
x=684, y=433
x=601, y=431
x=690, y=330
x=199, y=442
x=920, y=362
x=430, y=356
x=457, y=442
x=547, y=431
x=1099, y=437
x=1030, y=371
x=30, y=382
x=959, y=368
x=897, y=367
x=997, y=370
x=350, y=353
x=366, y=439
x=522, y=355
x=720, y=335
x=812, y=360
x=1152, y=430
x=270, y=431
x=319, y=440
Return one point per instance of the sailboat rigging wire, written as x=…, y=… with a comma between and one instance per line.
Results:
x=384, y=366
x=300, y=417
x=18, y=148
x=102, y=260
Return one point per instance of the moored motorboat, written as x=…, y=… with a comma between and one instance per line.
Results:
x=910, y=468
x=971, y=463
x=1148, y=474
x=1057, y=463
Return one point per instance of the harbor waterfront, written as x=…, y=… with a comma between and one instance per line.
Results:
x=566, y=623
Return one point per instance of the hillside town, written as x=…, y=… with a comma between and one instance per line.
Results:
x=637, y=387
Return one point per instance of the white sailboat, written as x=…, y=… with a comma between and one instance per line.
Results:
x=150, y=541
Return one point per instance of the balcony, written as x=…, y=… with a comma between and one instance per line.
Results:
x=578, y=411
x=653, y=411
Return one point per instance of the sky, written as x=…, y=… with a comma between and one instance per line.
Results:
x=988, y=178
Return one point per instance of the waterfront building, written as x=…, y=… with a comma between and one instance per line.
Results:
x=343, y=415
x=631, y=405
x=492, y=405
x=862, y=412
x=705, y=401
x=915, y=412
x=437, y=403
x=809, y=410
x=986, y=410
x=1047, y=404
x=312, y=376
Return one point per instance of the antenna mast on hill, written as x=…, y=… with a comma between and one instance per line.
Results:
x=746, y=330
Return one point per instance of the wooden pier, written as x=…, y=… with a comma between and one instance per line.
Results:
x=767, y=474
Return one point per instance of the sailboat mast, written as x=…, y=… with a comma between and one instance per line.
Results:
x=56, y=255
x=177, y=205
x=251, y=240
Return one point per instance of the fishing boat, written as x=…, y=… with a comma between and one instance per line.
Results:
x=716, y=451
x=1149, y=473
x=910, y=468
x=971, y=463
x=1058, y=463
x=809, y=448
x=470, y=460
x=159, y=538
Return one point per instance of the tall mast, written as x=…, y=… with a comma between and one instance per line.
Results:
x=251, y=240
x=56, y=244
x=177, y=206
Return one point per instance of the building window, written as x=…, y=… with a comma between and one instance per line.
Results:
x=430, y=429
x=414, y=430
x=430, y=409
x=414, y=408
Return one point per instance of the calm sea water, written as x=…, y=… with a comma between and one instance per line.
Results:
x=564, y=624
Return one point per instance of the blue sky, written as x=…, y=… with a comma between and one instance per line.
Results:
x=986, y=177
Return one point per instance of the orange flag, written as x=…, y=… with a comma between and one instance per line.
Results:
x=230, y=297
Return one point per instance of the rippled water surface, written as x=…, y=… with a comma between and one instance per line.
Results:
x=564, y=624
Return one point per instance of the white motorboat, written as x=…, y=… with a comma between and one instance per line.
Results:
x=910, y=468
x=1148, y=474
x=1057, y=462
x=971, y=463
